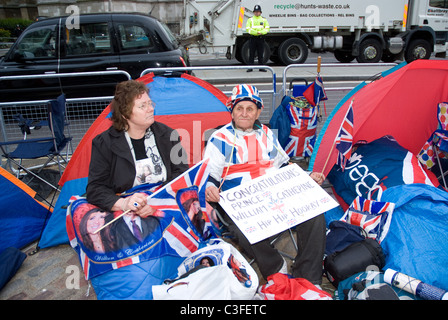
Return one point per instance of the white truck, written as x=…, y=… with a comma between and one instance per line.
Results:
x=368, y=31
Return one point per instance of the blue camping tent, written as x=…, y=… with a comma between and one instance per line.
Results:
x=22, y=217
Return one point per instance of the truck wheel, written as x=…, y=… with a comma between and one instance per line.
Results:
x=293, y=50
x=370, y=51
x=418, y=49
x=245, y=53
x=343, y=56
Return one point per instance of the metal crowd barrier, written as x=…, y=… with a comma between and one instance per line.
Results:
x=67, y=75
x=80, y=115
x=273, y=95
x=285, y=89
x=334, y=92
x=80, y=112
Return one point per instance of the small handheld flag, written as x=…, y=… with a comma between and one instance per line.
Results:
x=344, y=140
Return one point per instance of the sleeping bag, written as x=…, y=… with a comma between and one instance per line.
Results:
x=415, y=243
x=376, y=166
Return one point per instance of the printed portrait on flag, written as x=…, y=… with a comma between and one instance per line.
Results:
x=116, y=244
x=128, y=230
x=191, y=208
x=87, y=220
x=110, y=240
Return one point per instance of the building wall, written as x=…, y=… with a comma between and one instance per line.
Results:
x=18, y=9
x=168, y=11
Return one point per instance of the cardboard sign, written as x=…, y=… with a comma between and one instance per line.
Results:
x=275, y=202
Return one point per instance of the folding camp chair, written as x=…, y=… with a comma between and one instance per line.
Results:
x=298, y=89
x=47, y=148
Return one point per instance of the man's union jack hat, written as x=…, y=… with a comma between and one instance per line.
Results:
x=244, y=92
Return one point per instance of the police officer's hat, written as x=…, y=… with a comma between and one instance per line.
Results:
x=257, y=8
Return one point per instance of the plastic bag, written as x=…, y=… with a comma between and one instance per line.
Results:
x=215, y=272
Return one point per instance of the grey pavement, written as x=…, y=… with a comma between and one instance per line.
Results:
x=50, y=274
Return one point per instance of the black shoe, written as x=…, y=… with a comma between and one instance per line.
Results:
x=262, y=70
x=249, y=70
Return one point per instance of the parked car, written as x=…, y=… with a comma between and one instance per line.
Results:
x=100, y=42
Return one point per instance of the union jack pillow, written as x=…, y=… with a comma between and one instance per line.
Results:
x=371, y=215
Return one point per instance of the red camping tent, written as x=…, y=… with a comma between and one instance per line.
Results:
x=403, y=104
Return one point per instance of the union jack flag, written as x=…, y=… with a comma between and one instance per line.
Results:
x=176, y=235
x=315, y=93
x=344, y=140
x=184, y=237
x=303, y=131
x=371, y=215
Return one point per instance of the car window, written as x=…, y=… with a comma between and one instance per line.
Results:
x=166, y=30
x=439, y=3
x=38, y=43
x=134, y=37
x=90, y=38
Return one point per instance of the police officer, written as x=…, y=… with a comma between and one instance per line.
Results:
x=257, y=27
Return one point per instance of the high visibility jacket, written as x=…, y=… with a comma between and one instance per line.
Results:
x=257, y=26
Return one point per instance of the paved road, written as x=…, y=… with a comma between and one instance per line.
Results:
x=338, y=78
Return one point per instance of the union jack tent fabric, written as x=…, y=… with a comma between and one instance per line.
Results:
x=375, y=167
x=384, y=167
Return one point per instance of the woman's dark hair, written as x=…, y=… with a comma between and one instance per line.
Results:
x=125, y=94
x=106, y=237
x=187, y=204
